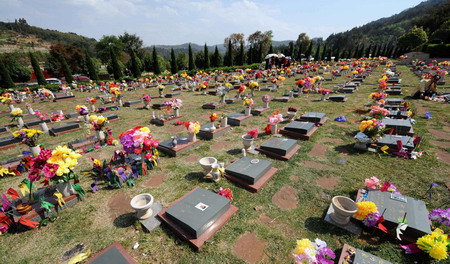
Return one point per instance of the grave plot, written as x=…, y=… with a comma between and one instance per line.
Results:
x=197, y=216
x=392, y=142
x=208, y=132
x=65, y=128
x=398, y=126
x=133, y=102
x=358, y=256
x=166, y=119
x=214, y=105
x=182, y=145
x=397, y=114
x=112, y=254
x=238, y=119
x=299, y=130
x=337, y=98
x=250, y=173
x=313, y=117
x=279, y=148
x=8, y=142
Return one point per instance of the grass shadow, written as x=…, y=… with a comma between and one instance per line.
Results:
x=195, y=175
x=345, y=149
x=125, y=220
x=235, y=151
x=319, y=226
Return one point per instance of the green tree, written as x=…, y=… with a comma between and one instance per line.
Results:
x=442, y=34
x=200, y=60
x=131, y=42
x=368, y=50
x=337, y=55
x=116, y=69
x=92, y=70
x=37, y=70
x=229, y=55
x=135, y=67
x=317, y=56
x=191, y=65
x=6, y=80
x=65, y=68
x=241, y=55
x=206, y=55
x=324, y=52
x=416, y=36
x=156, y=64
x=291, y=49
x=216, y=59
x=148, y=64
x=181, y=61
x=270, y=49
x=309, y=50
x=173, y=62
x=104, y=46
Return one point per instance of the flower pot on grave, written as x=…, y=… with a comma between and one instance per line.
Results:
x=215, y=172
x=101, y=135
x=222, y=100
x=174, y=141
x=44, y=127
x=161, y=93
x=207, y=163
x=247, y=141
x=86, y=118
x=92, y=108
x=192, y=137
x=177, y=112
x=273, y=129
x=60, y=112
x=142, y=203
x=224, y=122
x=30, y=110
x=360, y=146
x=24, y=208
x=344, y=208
x=20, y=122
x=66, y=189
x=322, y=98
x=35, y=150
x=291, y=115
x=120, y=102
x=146, y=105
x=11, y=107
x=248, y=111
x=213, y=127
x=291, y=94
x=266, y=104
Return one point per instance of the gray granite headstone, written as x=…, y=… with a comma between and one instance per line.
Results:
x=65, y=127
x=398, y=114
x=362, y=257
x=198, y=211
x=313, y=117
x=111, y=116
x=394, y=101
x=8, y=141
x=3, y=129
x=396, y=206
x=337, y=98
x=299, y=127
x=399, y=125
x=280, y=146
x=249, y=169
x=37, y=122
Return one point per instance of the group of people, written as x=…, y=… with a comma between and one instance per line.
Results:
x=427, y=86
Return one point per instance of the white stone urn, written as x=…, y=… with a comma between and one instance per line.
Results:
x=35, y=150
x=177, y=112
x=142, y=203
x=146, y=105
x=101, y=135
x=213, y=127
x=247, y=141
x=20, y=122
x=30, y=110
x=44, y=127
x=192, y=137
x=266, y=104
x=86, y=118
x=206, y=163
x=248, y=111
x=11, y=107
x=291, y=115
x=120, y=102
x=344, y=208
x=273, y=129
x=66, y=189
x=93, y=108
x=224, y=122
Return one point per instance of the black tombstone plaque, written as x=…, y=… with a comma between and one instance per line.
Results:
x=299, y=127
x=280, y=146
x=313, y=117
x=391, y=142
x=337, y=98
x=249, y=169
x=399, y=125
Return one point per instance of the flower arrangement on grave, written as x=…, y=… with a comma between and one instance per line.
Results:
x=6, y=172
x=324, y=91
x=367, y=213
x=253, y=85
x=292, y=109
x=16, y=114
x=60, y=165
x=193, y=127
x=203, y=85
x=229, y=85
x=81, y=110
x=56, y=117
x=139, y=140
x=213, y=117
x=28, y=137
x=378, y=112
x=114, y=90
x=91, y=100
x=98, y=123
x=372, y=128
x=6, y=100
x=317, y=252
x=248, y=102
x=275, y=118
x=241, y=90
x=227, y=193
x=253, y=133
x=146, y=98
x=440, y=216
x=436, y=244
x=378, y=95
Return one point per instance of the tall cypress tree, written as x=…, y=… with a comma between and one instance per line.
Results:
x=91, y=67
x=117, y=72
x=156, y=66
x=229, y=55
x=317, y=56
x=259, y=55
x=135, y=70
x=241, y=55
x=37, y=70
x=271, y=49
x=360, y=51
x=309, y=50
x=173, y=62
x=216, y=57
x=65, y=68
x=368, y=50
x=191, y=65
x=337, y=55
x=291, y=49
x=324, y=51
x=376, y=51
x=6, y=81
x=206, y=54
x=250, y=55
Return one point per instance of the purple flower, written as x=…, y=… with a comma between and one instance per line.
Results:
x=127, y=142
x=372, y=219
x=441, y=216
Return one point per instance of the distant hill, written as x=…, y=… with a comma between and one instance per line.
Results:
x=429, y=14
x=19, y=36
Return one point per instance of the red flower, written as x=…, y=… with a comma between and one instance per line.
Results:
x=253, y=133
x=267, y=129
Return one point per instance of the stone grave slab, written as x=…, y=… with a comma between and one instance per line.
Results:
x=11, y=163
x=279, y=148
x=172, y=95
x=152, y=222
x=71, y=115
x=107, y=108
x=391, y=142
x=396, y=206
x=207, y=133
x=360, y=257
x=36, y=122
x=198, y=215
x=130, y=103
x=353, y=226
x=348, y=90
x=112, y=117
x=174, y=89
x=237, y=119
x=214, y=105
x=3, y=129
x=400, y=126
x=113, y=254
x=338, y=98
x=252, y=174
x=358, y=79
x=283, y=99
x=62, y=129
x=159, y=106
x=392, y=107
x=313, y=117
x=183, y=145
x=393, y=80
x=299, y=130
x=259, y=110
x=65, y=98
x=394, y=91
x=231, y=100
x=166, y=120
x=397, y=114
x=89, y=142
x=8, y=142
x=212, y=92
x=394, y=101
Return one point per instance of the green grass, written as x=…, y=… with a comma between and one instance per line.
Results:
x=88, y=222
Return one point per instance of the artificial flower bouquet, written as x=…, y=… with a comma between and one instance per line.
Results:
x=28, y=137
x=372, y=128
x=275, y=118
x=146, y=98
x=91, y=100
x=81, y=109
x=378, y=112
x=253, y=85
x=16, y=114
x=436, y=244
x=317, y=252
x=213, y=117
x=193, y=127
x=248, y=102
x=98, y=122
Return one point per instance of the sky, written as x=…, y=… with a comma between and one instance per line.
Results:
x=171, y=22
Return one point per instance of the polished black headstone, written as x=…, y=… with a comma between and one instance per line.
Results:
x=394, y=101
x=337, y=98
x=3, y=129
x=313, y=117
x=299, y=127
x=280, y=146
x=65, y=127
x=129, y=103
x=37, y=122
x=391, y=141
x=397, y=114
x=5, y=141
x=198, y=211
x=111, y=116
x=249, y=169
x=399, y=125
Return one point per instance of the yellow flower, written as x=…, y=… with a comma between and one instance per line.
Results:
x=439, y=251
x=425, y=242
x=302, y=245
x=93, y=117
x=5, y=172
x=145, y=129
x=364, y=209
x=196, y=128
x=98, y=162
x=16, y=112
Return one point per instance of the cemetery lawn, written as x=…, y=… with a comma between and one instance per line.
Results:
x=89, y=222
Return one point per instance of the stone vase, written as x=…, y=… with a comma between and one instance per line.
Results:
x=192, y=137
x=247, y=141
x=266, y=104
x=291, y=115
x=224, y=122
x=248, y=111
x=174, y=141
x=142, y=203
x=273, y=129
x=344, y=208
x=215, y=173
x=44, y=127
x=35, y=150
x=11, y=107
x=206, y=163
x=322, y=98
x=146, y=105
x=86, y=118
x=120, y=102
x=213, y=127
x=222, y=100
x=101, y=135
x=92, y=108
x=30, y=110
x=66, y=189
x=20, y=122
x=177, y=112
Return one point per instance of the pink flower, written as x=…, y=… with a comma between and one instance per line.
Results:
x=253, y=133
x=372, y=182
x=50, y=170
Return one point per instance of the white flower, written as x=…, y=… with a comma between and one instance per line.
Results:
x=319, y=243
